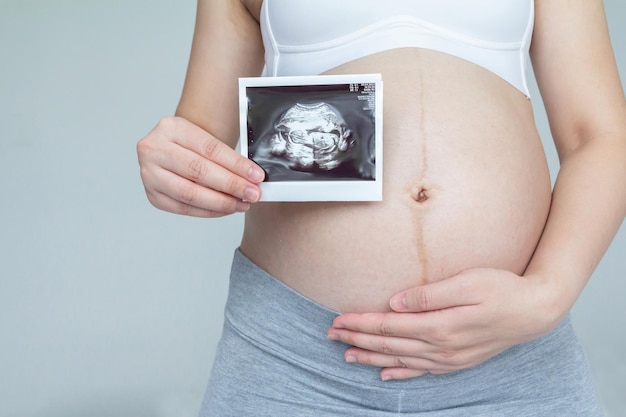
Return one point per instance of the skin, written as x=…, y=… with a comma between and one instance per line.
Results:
x=469, y=251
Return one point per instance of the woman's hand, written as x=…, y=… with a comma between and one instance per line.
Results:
x=449, y=325
x=186, y=170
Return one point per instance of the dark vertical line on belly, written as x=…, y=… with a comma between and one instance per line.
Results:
x=420, y=213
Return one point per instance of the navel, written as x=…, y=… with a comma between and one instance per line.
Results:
x=420, y=194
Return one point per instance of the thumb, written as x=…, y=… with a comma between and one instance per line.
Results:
x=448, y=293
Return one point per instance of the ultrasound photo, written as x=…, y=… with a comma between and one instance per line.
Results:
x=317, y=138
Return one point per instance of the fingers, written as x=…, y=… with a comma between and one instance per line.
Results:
x=382, y=344
x=434, y=359
x=460, y=322
x=169, y=204
x=417, y=341
x=418, y=365
x=422, y=326
x=401, y=373
x=208, y=173
x=192, y=137
x=406, y=358
x=186, y=170
x=451, y=292
x=379, y=350
x=182, y=196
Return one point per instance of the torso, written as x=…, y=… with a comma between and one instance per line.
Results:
x=465, y=185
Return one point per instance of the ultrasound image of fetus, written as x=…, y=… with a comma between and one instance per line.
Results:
x=311, y=136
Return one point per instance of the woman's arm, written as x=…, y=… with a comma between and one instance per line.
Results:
x=466, y=319
x=187, y=162
x=226, y=45
x=577, y=75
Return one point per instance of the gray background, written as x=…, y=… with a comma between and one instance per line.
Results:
x=109, y=307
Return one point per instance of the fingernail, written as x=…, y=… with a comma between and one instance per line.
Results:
x=386, y=378
x=242, y=206
x=333, y=336
x=351, y=359
x=251, y=194
x=398, y=302
x=256, y=174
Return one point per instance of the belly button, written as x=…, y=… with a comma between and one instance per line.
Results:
x=419, y=194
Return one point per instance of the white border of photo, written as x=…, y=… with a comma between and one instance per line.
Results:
x=336, y=190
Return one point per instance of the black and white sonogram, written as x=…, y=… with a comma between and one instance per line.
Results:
x=313, y=129
x=311, y=137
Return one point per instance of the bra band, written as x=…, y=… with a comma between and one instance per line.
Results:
x=301, y=39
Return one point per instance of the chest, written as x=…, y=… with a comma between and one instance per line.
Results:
x=307, y=22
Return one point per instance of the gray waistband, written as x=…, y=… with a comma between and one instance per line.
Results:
x=278, y=319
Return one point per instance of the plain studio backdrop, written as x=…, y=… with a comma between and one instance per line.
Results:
x=109, y=307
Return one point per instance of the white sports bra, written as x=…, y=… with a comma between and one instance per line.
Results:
x=308, y=37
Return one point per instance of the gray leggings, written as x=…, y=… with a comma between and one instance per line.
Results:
x=274, y=360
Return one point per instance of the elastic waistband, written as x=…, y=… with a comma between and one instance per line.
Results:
x=276, y=318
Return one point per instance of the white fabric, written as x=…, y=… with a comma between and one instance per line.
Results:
x=308, y=37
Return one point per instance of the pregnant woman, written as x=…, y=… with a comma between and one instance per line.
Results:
x=451, y=296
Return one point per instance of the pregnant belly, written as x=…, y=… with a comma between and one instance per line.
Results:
x=458, y=213
x=465, y=185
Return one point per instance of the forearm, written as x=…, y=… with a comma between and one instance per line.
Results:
x=226, y=45
x=588, y=207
